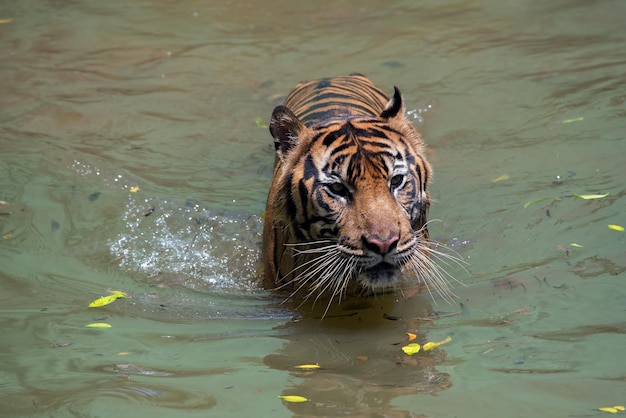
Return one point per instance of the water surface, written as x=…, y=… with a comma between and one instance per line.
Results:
x=134, y=157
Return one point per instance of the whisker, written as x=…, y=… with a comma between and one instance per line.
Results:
x=319, y=274
x=328, y=276
x=313, y=244
x=315, y=250
x=308, y=274
x=449, y=260
x=313, y=260
x=426, y=262
x=309, y=243
x=433, y=276
x=344, y=267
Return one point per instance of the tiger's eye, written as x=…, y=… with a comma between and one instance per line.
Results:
x=397, y=180
x=338, y=189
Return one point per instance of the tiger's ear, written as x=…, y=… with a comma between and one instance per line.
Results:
x=285, y=127
x=394, y=107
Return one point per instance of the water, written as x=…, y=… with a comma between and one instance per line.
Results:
x=132, y=160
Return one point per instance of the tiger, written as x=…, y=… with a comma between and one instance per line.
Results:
x=348, y=202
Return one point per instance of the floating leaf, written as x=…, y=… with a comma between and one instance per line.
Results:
x=411, y=336
x=308, y=366
x=578, y=119
x=616, y=227
x=105, y=300
x=98, y=325
x=500, y=178
x=573, y=244
x=532, y=202
x=590, y=196
x=411, y=349
x=5, y=21
x=293, y=398
x=119, y=293
x=432, y=345
x=134, y=189
x=620, y=408
x=259, y=122
x=609, y=409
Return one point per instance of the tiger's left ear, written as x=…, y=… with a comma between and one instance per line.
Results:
x=394, y=107
x=285, y=127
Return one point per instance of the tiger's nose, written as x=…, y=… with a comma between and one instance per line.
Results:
x=381, y=245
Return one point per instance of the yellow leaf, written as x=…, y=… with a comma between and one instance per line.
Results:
x=532, y=202
x=500, y=178
x=119, y=293
x=620, y=407
x=608, y=409
x=5, y=21
x=134, y=189
x=590, y=196
x=432, y=345
x=411, y=349
x=578, y=119
x=105, y=300
x=98, y=325
x=259, y=122
x=293, y=398
x=616, y=227
x=573, y=244
x=308, y=366
x=411, y=336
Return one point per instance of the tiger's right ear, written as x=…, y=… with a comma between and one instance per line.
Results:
x=395, y=106
x=285, y=127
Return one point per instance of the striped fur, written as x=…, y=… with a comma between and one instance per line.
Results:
x=348, y=203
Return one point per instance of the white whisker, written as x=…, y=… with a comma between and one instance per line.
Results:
x=322, y=270
x=344, y=267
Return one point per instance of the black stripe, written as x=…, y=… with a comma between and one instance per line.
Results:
x=309, y=168
x=319, y=198
x=331, y=137
x=303, y=191
x=291, y=206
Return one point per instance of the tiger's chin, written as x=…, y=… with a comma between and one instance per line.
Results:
x=382, y=275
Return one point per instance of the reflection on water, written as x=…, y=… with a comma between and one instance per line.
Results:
x=358, y=347
x=132, y=159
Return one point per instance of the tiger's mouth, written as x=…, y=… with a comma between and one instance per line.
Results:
x=380, y=275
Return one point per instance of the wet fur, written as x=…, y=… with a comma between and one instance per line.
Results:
x=347, y=207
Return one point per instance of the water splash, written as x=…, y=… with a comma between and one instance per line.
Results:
x=189, y=244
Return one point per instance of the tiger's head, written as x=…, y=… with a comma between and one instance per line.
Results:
x=348, y=203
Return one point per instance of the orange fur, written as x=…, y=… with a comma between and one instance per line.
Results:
x=349, y=189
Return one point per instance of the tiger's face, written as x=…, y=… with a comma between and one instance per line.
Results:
x=362, y=200
x=348, y=202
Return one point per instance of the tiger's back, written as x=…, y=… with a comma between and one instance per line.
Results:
x=347, y=207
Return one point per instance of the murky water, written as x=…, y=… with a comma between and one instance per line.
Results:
x=132, y=159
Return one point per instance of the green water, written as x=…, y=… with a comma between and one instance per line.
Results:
x=131, y=159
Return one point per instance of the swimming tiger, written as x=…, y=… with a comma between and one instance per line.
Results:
x=348, y=203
